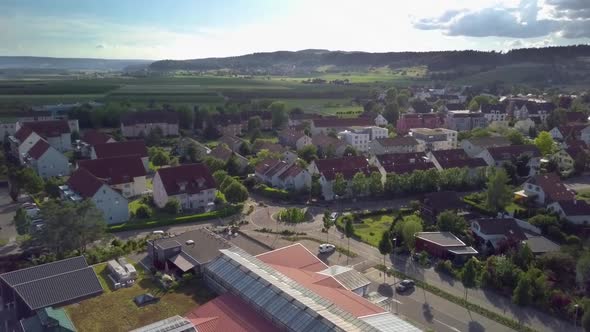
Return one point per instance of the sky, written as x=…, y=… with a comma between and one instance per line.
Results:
x=190, y=29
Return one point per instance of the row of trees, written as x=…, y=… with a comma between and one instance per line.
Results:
x=234, y=191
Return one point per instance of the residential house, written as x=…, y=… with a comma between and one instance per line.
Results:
x=187, y=252
x=566, y=158
x=191, y=184
x=91, y=138
x=547, y=188
x=327, y=125
x=408, y=121
x=222, y=152
x=347, y=166
x=260, y=145
x=523, y=108
x=575, y=117
x=496, y=156
x=585, y=135
x=476, y=145
x=300, y=119
x=233, y=143
x=46, y=160
x=328, y=146
x=121, y=149
x=524, y=126
x=573, y=210
x=401, y=163
x=295, y=139
x=359, y=139
x=455, y=158
x=232, y=124
x=435, y=203
x=83, y=185
x=465, y=120
x=184, y=142
x=282, y=174
x=56, y=132
x=140, y=124
x=434, y=139
x=125, y=174
x=376, y=117
x=495, y=113
x=448, y=107
x=9, y=120
x=496, y=235
x=54, y=284
x=394, y=145
x=444, y=245
x=22, y=141
x=568, y=132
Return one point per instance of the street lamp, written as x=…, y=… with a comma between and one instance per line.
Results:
x=393, y=242
x=576, y=306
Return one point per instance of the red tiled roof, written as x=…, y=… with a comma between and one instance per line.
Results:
x=84, y=183
x=297, y=263
x=325, y=141
x=272, y=147
x=343, y=122
x=229, y=313
x=94, y=137
x=115, y=170
x=576, y=117
x=149, y=117
x=290, y=136
x=397, y=141
x=118, y=149
x=572, y=131
x=456, y=158
x=195, y=177
x=38, y=149
x=506, y=226
x=293, y=170
x=347, y=166
x=266, y=165
x=507, y=152
x=575, y=207
x=402, y=163
x=23, y=133
x=53, y=128
x=552, y=187
x=221, y=152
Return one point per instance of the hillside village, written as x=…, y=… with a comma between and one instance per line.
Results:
x=451, y=183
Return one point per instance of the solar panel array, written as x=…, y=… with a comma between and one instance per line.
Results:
x=286, y=302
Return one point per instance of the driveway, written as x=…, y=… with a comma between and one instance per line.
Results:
x=7, y=229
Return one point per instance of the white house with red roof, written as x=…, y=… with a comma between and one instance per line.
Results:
x=121, y=149
x=575, y=211
x=546, y=188
x=125, y=174
x=56, y=132
x=22, y=141
x=83, y=185
x=46, y=160
x=327, y=169
x=91, y=138
x=136, y=124
x=191, y=184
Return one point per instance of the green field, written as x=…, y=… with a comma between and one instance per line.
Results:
x=372, y=228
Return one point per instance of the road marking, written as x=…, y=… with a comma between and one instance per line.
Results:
x=447, y=325
x=394, y=300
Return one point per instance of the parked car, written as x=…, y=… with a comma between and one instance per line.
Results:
x=405, y=285
x=333, y=216
x=326, y=248
x=158, y=232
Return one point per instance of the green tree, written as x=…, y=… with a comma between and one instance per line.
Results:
x=22, y=222
x=581, y=162
x=186, y=117
x=359, y=184
x=391, y=113
x=232, y=165
x=348, y=232
x=254, y=123
x=545, y=143
x=70, y=226
x=172, y=206
x=543, y=221
x=279, y=114
x=154, y=138
x=385, y=247
x=375, y=184
x=327, y=224
x=449, y=221
x=522, y=294
x=523, y=257
x=308, y=153
x=316, y=187
x=214, y=164
x=192, y=153
x=498, y=193
x=236, y=193
x=28, y=179
x=516, y=138
x=52, y=186
x=219, y=176
x=586, y=318
x=583, y=271
x=160, y=157
x=391, y=95
x=339, y=185
x=350, y=151
x=469, y=275
x=292, y=215
x=411, y=226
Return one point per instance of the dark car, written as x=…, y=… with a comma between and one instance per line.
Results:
x=405, y=285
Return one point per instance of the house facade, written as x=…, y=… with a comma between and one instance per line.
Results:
x=476, y=145
x=295, y=139
x=56, y=132
x=495, y=156
x=191, y=184
x=465, y=120
x=326, y=125
x=283, y=174
x=125, y=174
x=394, y=145
x=121, y=149
x=435, y=139
x=328, y=169
x=137, y=124
x=408, y=121
x=574, y=211
x=547, y=188
x=47, y=161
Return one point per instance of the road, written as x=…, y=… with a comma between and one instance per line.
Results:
x=7, y=229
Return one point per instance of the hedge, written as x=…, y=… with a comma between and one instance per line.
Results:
x=511, y=323
x=140, y=224
x=275, y=193
x=479, y=207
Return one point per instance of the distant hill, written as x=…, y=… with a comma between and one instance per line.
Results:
x=310, y=60
x=44, y=63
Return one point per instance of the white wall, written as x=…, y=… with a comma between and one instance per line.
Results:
x=52, y=163
x=160, y=195
x=115, y=208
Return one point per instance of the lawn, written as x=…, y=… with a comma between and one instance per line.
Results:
x=583, y=194
x=115, y=310
x=371, y=228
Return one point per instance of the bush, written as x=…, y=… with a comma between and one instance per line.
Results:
x=292, y=215
x=143, y=212
x=172, y=206
x=445, y=267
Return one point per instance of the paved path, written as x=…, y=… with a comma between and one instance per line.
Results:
x=7, y=230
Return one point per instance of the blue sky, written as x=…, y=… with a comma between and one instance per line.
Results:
x=182, y=29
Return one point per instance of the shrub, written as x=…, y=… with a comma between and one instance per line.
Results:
x=292, y=215
x=445, y=267
x=172, y=206
x=143, y=212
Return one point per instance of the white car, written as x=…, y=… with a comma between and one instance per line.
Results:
x=333, y=216
x=326, y=247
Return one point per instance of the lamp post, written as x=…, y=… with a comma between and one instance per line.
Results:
x=576, y=306
x=393, y=242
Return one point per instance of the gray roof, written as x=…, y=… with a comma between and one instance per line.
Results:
x=205, y=248
x=347, y=276
x=540, y=244
x=54, y=283
x=172, y=324
x=387, y=322
x=444, y=239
